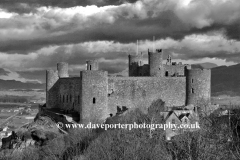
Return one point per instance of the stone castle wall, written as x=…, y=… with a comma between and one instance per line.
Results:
x=173, y=70
x=198, y=86
x=69, y=93
x=51, y=79
x=62, y=68
x=95, y=95
x=144, y=70
x=155, y=63
x=135, y=92
x=92, y=65
x=94, y=101
x=134, y=61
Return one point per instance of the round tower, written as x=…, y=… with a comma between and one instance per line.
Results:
x=51, y=79
x=62, y=68
x=92, y=65
x=198, y=87
x=155, y=63
x=134, y=62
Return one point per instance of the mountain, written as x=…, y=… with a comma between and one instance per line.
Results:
x=206, y=65
x=226, y=80
x=12, y=84
x=123, y=73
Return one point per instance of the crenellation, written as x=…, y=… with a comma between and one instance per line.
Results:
x=92, y=65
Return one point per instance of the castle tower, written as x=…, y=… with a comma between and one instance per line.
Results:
x=198, y=87
x=51, y=79
x=134, y=62
x=94, y=96
x=62, y=68
x=155, y=63
x=169, y=60
x=92, y=65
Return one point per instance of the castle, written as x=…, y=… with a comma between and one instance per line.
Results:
x=95, y=94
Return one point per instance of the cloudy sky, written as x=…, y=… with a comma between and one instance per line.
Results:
x=36, y=34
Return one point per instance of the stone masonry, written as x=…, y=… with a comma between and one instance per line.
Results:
x=95, y=95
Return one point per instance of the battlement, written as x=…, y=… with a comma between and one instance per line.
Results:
x=135, y=58
x=92, y=65
x=94, y=72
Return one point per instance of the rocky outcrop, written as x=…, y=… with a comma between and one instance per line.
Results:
x=37, y=133
x=8, y=142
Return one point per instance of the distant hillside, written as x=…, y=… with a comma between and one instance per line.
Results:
x=123, y=73
x=226, y=80
x=12, y=84
x=206, y=65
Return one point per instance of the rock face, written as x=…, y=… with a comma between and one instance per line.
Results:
x=23, y=144
x=37, y=133
x=8, y=142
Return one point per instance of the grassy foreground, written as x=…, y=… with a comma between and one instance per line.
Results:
x=209, y=143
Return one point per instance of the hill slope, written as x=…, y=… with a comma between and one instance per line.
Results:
x=226, y=80
x=12, y=84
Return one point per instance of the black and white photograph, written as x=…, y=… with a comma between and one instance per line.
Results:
x=119, y=79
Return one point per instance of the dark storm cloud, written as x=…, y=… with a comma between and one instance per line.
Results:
x=28, y=6
x=232, y=31
x=186, y=54
x=126, y=23
x=78, y=56
x=33, y=75
x=123, y=30
x=3, y=72
x=57, y=33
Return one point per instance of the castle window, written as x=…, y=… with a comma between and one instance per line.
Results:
x=166, y=73
x=192, y=80
x=94, y=100
x=78, y=99
x=90, y=67
x=195, y=109
x=192, y=90
x=63, y=98
x=67, y=98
